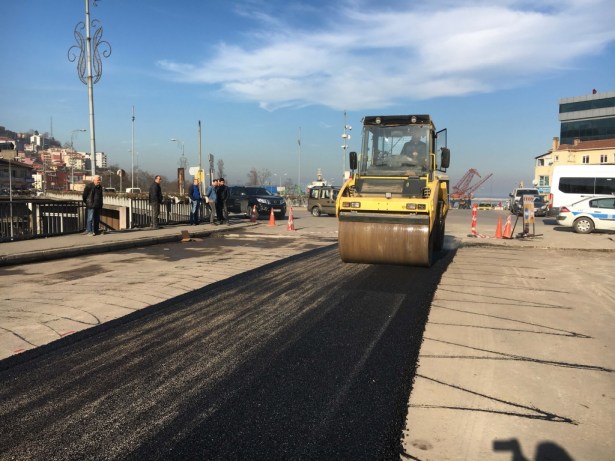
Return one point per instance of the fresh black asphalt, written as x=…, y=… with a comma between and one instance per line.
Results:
x=308, y=358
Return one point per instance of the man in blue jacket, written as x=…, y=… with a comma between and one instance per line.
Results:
x=194, y=195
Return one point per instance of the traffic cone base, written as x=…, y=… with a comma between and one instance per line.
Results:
x=271, y=218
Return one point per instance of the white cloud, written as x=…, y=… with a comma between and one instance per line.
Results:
x=372, y=57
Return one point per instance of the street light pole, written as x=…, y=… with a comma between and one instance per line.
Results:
x=132, y=172
x=299, y=174
x=180, y=143
x=200, y=156
x=182, y=165
x=72, y=136
x=72, y=156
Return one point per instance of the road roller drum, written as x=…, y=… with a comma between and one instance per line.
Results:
x=378, y=243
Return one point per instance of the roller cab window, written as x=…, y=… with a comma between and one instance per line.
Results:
x=395, y=150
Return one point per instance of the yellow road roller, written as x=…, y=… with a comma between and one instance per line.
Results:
x=393, y=207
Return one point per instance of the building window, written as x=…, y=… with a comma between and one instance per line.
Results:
x=557, y=158
x=587, y=130
x=592, y=104
x=543, y=181
x=586, y=159
x=604, y=158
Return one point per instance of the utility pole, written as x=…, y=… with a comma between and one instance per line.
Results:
x=200, y=175
x=299, y=174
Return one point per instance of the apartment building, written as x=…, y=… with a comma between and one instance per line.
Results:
x=594, y=152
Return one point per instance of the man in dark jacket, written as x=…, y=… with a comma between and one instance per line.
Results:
x=155, y=200
x=221, y=198
x=93, y=199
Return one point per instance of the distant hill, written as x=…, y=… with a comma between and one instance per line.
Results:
x=4, y=133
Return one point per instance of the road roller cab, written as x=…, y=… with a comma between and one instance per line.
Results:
x=393, y=208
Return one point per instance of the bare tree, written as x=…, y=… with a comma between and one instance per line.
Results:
x=252, y=177
x=258, y=178
x=264, y=176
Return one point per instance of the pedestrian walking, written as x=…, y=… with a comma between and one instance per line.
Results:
x=221, y=198
x=155, y=200
x=210, y=198
x=93, y=199
x=194, y=195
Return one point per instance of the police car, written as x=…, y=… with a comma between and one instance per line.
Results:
x=592, y=213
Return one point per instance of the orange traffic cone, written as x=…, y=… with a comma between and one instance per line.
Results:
x=291, y=224
x=498, y=229
x=507, y=228
x=253, y=214
x=271, y=218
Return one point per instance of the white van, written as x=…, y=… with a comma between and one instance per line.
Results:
x=133, y=190
x=572, y=183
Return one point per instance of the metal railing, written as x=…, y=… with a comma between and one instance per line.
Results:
x=170, y=213
x=22, y=219
x=25, y=219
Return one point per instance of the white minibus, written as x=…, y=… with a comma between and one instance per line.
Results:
x=572, y=183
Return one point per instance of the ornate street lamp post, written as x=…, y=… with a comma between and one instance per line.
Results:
x=345, y=137
x=90, y=63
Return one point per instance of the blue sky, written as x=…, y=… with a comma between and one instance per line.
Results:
x=256, y=73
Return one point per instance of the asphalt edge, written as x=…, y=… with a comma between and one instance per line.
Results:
x=61, y=253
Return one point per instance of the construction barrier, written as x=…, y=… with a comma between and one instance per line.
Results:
x=291, y=224
x=474, y=221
